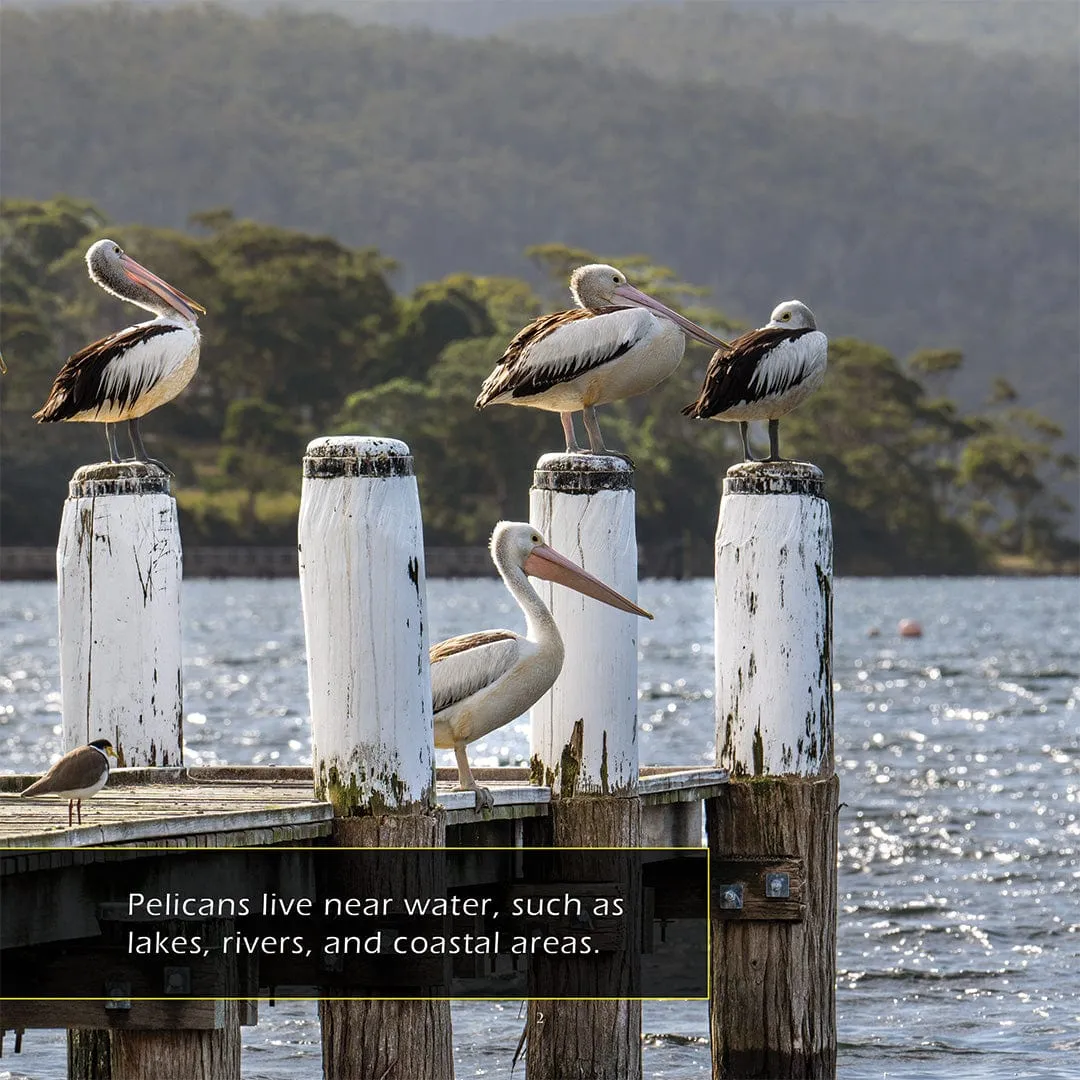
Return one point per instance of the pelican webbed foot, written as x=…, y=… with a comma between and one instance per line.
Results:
x=466, y=782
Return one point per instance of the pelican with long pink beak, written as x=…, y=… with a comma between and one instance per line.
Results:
x=127, y=374
x=482, y=681
x=617, y=343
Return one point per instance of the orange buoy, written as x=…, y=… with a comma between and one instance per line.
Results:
x=909, y=628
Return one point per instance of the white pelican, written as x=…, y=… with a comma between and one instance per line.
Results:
x=765, y=374
x=481, y=681
x=618, y=342
x=127, y=374
x=79, y=774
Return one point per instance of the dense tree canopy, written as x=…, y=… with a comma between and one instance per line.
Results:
x=304, y=336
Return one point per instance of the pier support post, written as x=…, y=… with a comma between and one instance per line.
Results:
x=584, y=507
x=773, y=830
x=118, y=572
x=364, y=597
x=584, y=745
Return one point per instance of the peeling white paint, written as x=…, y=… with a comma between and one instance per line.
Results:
x=598, y=683
x=118, y=573
x=364, y=597
x=773, y=611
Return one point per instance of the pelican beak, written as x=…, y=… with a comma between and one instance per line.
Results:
x=3, y=366
x=636, y=296
x=173, y=297
x=545, y=562
x=111, y=752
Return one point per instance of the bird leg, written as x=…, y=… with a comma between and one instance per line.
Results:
x=110, y=438
x=71, y=807
x=484, y=800
x=567, y=419
x=774, y=441
x=140, y=450
x=744, y=431
x=78, y=809
x=596, y=440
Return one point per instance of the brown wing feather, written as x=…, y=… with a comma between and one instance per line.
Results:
x=728, y=378
x=464, y=642
x=77, y=769
x=76, y=387
x=508, y=368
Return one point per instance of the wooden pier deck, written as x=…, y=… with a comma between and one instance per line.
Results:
x=239, y=806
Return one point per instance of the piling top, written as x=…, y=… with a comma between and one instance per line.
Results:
x=336, y=456
x=774, y=478
x=583, y=474
x=118, y=478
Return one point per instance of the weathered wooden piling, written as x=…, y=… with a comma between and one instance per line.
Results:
x=584, y=506
x=364, y=598
x=118, y=571
x=773, y=830
x=584, y=745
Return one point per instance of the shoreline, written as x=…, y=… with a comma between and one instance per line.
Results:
x=34, y=563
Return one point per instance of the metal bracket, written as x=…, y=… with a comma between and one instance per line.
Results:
x=118, y=995
x=758, y=887
x=731, y=897
x=177, y=980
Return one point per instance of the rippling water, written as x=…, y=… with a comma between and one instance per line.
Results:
x=958, y=752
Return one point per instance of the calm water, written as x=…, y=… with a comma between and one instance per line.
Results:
x=959, y=756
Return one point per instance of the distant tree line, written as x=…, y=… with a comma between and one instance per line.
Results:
x=305, y=337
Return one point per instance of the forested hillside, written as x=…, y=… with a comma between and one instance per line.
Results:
x=452, y=155
x=1016, y=119
x=304, y=336
x=1033, y=27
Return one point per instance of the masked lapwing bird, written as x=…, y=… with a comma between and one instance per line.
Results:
x=482, y=681
x=617, y=343
x=79, y=774
x=127, y=374
x=765, y=374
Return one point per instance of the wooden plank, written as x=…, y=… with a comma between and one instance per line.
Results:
x=142, y=1016
x=751, y=876
x=685, y=785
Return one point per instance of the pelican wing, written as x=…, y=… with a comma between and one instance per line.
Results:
x=462, y=666
x=116, y=370
x=557, y=348
x=759, y=364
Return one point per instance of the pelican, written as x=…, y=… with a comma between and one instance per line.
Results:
x=127, y=374
x=765, y=374
x=617, y=343
x=79, y=774
x=481, y=681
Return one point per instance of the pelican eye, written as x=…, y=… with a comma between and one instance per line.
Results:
x=116, y=251
x=786, y=316
x=536, y=539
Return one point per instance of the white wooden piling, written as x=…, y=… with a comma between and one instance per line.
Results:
x=584, y=507
x=773, y=609
x=118, y=572
x=364, y=598
x=773, y=830
x=373, y=738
